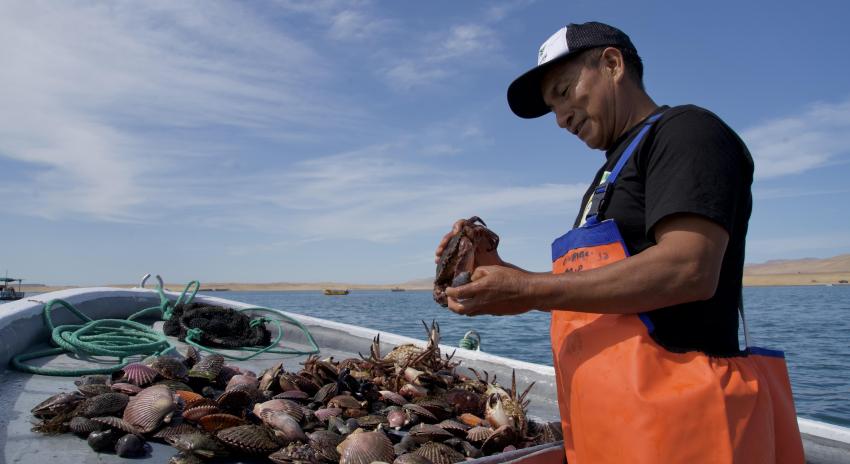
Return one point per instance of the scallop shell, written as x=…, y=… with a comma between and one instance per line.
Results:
x=324, y=443
x=502, y=437
x=411, y=458
x=174, y=430
x=290, y=407
x=196, y=413
x=94, y=379
x=188, y=396
x=94, y=389
x=126, y=388
x=118, y=423
x=439, y=453
x=470, y=419
x=130, y=446
x=371, y=421
x=252, y=439
x=170, y=368
x=174, y=385
x=393, y=397
x=294, y=395
x=148, y=409
x=138, y=374
x=207, y=368
x=295, y=453
x=440, y=409
x=464, y=401
x=345, y=402
x=326, y=393
x=196, y=443
x=227, y=372
x=235, y=401
x=325, y=413
x=191, y=356
x=478, y=434
x=420, y=411
x=241, y=379
x=455, y=427
x=397, y=418
x=286, y=429
x=422, y=433
x=83, y=426
x=104, y=405
x=214, y=422
x=365, y=447
x=411, y=391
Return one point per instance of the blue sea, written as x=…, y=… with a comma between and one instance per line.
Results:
x=811, y=324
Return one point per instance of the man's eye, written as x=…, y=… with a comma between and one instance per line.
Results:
x=564, y=92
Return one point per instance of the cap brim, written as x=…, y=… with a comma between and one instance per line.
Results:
x=525, y=97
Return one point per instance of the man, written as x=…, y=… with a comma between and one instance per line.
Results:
x=646, y=287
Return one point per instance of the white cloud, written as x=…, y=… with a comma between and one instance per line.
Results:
x=84, y=85
x=793, y=145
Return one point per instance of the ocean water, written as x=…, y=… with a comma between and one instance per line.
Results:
x=811, y=324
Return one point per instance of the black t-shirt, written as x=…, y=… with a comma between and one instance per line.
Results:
x=689, y=162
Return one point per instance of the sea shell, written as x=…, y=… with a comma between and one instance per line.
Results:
x=191, y=356
x=138, y=374
x=365, y=447
x=411, y=391
x=455, y=427
x=502, y=437
x=174, y=385
x=440, y=409
x=57, y=404
x=126, y=388
x=297, y=452
x=104, y=405
x=188, y=396
x=195, y=414
x=94, y=389
x=345, y=402
x=83, y=426
x=197, y=443
x=422, y=433
x=286, y=429
x=397, y=418
x=169, y=367
x=420, y=411
x=325, y=413
x=470, y=419
x=465, y=401
x=411, y=458
x=294, y=395
x=235, y=401
x=478, y=434
x=326, y=393
x=185, y=458
x=103, y=440
x=438, y=453
x=393, y=397
x=371, y=421
x=150, y=407
x=94, y=379
x=324, y=443
x=242, y=380
x=289, y=407
x=207, y=368
x=118, y=423
x=174, y=430
x=252, y=439
x=130, y=446
x=215, y=422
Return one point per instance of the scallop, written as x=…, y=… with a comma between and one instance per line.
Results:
x=214, y=422
x=126, y=388
x=295, y=453
x=393, y=397
x=325, y=413
x=94, y=389
x=502, y=437
x=83, y=426
x=252, y=439
x=290, y=407
x=207, y=368
x=150, y=408
x=464, y=401
x=118, y=423
x=293, y=395
x=326, y=393
x=130, y=446
x=420, y=411
x=422, y=433
x=170, y=368
x=104, y=405
x=241, y=379
x=478, y=434
x=345, y=402
x=195, y=414
x=138, y=374
x=411, y=458
x=324, y=443
x=365, y=447
x=454, y=427
x=174, y=430
x=286, y=429
x=439, y=453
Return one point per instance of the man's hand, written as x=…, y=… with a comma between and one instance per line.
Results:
x=495, y=290
x=483, y=257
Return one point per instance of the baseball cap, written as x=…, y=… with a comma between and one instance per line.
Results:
x=524, y=95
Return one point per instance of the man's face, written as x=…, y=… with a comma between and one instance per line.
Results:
x=581, y=97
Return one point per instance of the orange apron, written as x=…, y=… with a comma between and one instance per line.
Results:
x=625, y=399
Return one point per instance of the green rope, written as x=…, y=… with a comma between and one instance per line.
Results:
x=125, y=338
x=470, y=341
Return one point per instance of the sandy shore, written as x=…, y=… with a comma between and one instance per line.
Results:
x=819, y=278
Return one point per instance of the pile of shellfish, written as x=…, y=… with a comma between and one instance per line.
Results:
x=408, y=406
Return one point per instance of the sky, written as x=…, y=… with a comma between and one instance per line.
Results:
x=332, y=140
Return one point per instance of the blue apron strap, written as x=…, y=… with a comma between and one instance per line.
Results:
x=603, y=191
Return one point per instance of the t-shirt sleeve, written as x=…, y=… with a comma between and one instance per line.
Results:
x=697, y=165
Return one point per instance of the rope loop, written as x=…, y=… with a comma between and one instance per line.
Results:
x=195, y=333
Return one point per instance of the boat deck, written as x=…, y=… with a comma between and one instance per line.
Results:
x=21, y=329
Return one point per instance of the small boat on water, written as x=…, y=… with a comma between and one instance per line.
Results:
x=396, y=289
x=22, y=329
x=7, y=289
x=331, y=291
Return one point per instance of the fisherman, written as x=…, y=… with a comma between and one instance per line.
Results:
x=646, y=288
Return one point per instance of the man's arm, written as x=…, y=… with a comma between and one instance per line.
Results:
x=683, y=266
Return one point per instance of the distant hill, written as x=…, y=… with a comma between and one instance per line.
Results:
x=840, y=263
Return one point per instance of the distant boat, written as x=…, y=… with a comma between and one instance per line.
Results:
x=396, y=289
x=7, y=289
x=330, y=291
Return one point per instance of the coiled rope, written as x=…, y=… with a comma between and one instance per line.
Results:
x=470, y=341
x=124, y=338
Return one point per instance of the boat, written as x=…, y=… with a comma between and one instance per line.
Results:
x=396, y=289
x=331, y=291
x=22, y=330
x=7, y=289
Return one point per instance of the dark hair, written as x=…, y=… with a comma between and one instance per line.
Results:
x=632, y=61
